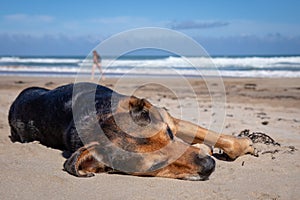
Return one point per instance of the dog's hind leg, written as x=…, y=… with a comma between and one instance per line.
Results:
x=82, y=163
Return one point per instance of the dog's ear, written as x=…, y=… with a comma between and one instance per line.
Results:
x=139, y=111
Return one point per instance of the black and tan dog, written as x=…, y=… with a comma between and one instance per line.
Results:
x=120, y=133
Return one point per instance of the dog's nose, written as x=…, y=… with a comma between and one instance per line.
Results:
x=207, y=165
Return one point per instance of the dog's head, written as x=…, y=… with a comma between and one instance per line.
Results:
x=142, y=141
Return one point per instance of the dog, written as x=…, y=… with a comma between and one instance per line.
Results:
x=105, y=131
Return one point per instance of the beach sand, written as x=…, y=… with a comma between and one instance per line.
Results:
x=272, y=106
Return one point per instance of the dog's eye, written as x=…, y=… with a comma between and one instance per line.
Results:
x=170, y=133
x=144, y=113
x=140, y=117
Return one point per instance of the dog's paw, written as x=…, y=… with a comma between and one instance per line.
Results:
x=85, y=174
x=239, y=146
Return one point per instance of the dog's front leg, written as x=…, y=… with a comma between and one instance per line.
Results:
x=231, y=145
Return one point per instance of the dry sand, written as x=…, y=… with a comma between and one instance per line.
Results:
x=33, y=171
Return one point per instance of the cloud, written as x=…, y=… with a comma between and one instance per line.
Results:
x=64, y=44
x=270, y=44
x=50, y=44
x=24, y=18
x=191, y=24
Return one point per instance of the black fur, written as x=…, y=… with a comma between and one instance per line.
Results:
x=46, y=115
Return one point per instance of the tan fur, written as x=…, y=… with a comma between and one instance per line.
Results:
x=184, y=167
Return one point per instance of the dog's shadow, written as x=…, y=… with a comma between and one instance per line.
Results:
x=222, y=156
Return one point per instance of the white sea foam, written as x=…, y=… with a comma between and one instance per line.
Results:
x=219, y=62
x=258, y=62
x=38, y=60
x=285, y=66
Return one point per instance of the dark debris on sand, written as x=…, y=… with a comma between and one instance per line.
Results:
x=264, y=144
x=258, y=137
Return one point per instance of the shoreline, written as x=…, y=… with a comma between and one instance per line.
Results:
x=128, y=75
x=269, y=105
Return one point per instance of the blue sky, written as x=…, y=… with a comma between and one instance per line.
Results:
x=233, y=27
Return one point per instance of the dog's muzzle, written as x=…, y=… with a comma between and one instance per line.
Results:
x=207, y=166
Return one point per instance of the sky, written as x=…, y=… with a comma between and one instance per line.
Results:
x=73, y=27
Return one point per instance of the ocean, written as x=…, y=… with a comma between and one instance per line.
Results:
x=229, y=66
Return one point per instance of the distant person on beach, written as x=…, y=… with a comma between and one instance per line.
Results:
x=96, y=63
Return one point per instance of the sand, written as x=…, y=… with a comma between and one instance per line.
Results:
x=272, y=106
